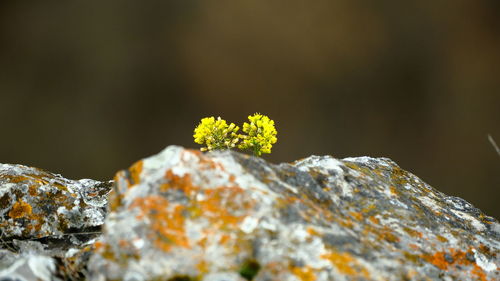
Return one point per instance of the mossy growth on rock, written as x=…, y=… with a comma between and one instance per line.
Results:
x=249, y=269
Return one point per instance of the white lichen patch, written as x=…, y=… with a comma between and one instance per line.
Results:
x=470, y=219
x=93, y=218
x=153, y=167
x=323, y=163
x=31, y=267
x=249, y=224
x=483, y=262
x=430, y=203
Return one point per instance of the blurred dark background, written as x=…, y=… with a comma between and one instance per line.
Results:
x=89, y=87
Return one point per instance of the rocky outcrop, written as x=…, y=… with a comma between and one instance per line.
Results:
x=46, y=221
x=185, y=215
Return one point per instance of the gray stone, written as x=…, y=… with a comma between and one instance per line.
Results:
x=184, y=215
x=30, y=267
x=37, y=204
x=47, y=220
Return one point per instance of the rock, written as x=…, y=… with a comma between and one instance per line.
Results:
x=47, y=220
x=36, y=204
x=184, y=215
x=30, y=267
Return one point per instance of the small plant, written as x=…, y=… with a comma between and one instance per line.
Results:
x=249, y=269
x=216, y=134
x=259, y=134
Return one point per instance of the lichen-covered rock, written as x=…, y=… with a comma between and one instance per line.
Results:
x=184, y=215
x=30, y=267
x=35, y=203
x=33, y=260
x=48, y=223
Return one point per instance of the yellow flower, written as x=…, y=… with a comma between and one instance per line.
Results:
x=216, y=134
x=260, y=134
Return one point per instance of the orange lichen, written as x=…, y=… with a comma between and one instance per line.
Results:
x=206, y=162
x=203, y=267
x=439, y=259
x=485, y=219
x=478, y=272
x=219, y=205
x=346, y=264
x=114, y=200
x=414, y=246
x=356, y=215
x=33, y=190
x=387, y=234
x=393, y=190
x=14, y=178
x=107, y=253
x=224, y=239
x=37, y=179
x=441, y=238
x=183, y=183
x=55, y=183
x=304, y=273
x=20, y=209
x=346, y=223
x=312, y=231
x=374, y=220
x=135, y=172
x=443, y=260
x=413, y=232
x=369, y=208
x=123, y=243
x=411, y=257
x=167, y=221
x=98, y=245
x=202, y=242
x=486, y=250
x=398, y=176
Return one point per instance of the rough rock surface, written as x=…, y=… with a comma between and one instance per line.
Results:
x=184, y=215
x=47, y=221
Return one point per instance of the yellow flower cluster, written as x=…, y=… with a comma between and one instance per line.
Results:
x=216, y=134
x=260, y=134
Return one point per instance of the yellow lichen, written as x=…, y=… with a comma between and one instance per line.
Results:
x=346, y=264
x=135, y=172
x=441, y=238
x=20, y=209
x=388, y=235
x=203, y=267
x=374, y=220
x=356, y=215
x=304, y=273
x=33, y=190
x=413, y=232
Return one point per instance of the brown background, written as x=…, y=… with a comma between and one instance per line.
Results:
x=89, y=87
